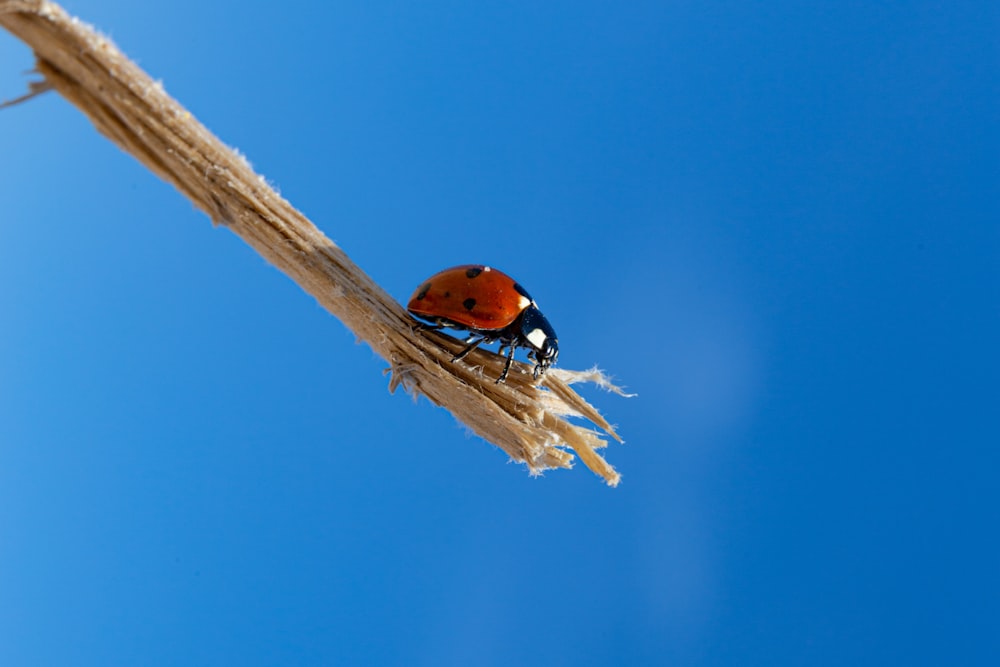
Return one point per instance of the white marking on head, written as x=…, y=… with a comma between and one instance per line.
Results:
x=536, y=337
x=523, y=302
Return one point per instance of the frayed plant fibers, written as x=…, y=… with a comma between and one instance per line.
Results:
x=527, y=419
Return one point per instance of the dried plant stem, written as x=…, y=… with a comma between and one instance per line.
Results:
x=132, y=110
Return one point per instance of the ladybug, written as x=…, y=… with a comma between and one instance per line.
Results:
x=491, y=306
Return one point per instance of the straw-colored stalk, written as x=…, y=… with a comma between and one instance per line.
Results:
x=526, y=419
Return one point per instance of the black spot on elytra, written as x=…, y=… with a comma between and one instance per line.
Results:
x=523, y=292
x=423, y=291
x=469, y=303
x=473, y=272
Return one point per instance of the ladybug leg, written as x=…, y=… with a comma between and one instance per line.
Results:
x=473, y=344
x=423, y=326
x=506, y=366
x=538, y=367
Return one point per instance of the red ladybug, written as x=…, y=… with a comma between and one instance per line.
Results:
x=491, y=306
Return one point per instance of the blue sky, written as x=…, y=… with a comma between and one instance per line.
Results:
x=777, y=223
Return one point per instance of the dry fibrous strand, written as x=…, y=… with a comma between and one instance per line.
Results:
x=528, y=420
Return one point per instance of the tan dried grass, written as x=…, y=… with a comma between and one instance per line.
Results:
x=525, y=419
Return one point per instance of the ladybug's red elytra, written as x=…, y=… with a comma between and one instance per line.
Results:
x=491, y=306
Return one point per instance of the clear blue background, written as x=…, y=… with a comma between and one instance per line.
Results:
x=778, y=223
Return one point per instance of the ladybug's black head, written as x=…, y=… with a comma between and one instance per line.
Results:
x=538, y=334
